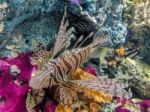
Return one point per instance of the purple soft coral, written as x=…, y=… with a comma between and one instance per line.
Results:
x=75, y=1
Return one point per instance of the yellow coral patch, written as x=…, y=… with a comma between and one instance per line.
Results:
x=98, y=96
x=81, y=75
x=83, y=110
x=120, y=51
x=63, y=108
x=94, y=107
x=94, y=95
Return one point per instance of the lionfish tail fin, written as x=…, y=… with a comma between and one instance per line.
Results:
x=40, y=81
x=106, y=85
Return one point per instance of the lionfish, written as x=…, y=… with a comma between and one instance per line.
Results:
x=57, y=72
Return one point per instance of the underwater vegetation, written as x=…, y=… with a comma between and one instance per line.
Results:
x=74, y=56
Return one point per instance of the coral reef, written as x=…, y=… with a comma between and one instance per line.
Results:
x=74, y=55
x=37, y=25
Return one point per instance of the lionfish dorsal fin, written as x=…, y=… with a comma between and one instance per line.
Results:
x=62, y=36
x=82, y=41
x=77, y=42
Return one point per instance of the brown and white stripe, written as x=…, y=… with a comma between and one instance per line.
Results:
x=61, y=68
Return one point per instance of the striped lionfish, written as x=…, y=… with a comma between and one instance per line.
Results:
x=57, y=72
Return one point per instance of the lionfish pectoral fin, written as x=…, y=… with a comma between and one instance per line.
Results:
x=106, y=85
x=65, y=94
x=96, y=52
x=40, y=81
x=101, y=41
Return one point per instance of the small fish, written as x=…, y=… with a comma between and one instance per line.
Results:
x=132, y=52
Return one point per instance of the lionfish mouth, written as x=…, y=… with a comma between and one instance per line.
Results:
x=2, y=100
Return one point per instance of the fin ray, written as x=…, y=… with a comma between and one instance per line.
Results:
x=40, y=81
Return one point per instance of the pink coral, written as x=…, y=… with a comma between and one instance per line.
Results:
x=14, y=88
x=141, y=105
x=145, y=104
x=122, y=103
x=90, y=70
